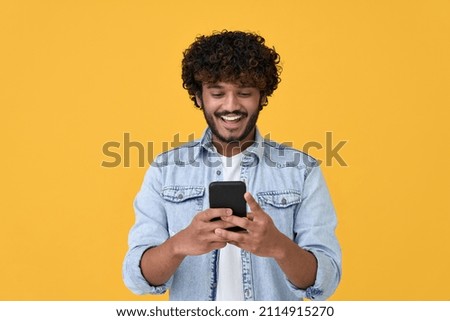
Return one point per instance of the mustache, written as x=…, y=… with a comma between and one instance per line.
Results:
x=235, y=113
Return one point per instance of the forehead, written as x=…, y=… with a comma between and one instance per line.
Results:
x=226, y=85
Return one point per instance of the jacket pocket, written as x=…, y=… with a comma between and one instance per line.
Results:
x=280, y=199
x=182, y=204
x=282, y=206
x=178, y=194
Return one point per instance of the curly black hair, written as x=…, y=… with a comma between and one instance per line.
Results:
x=230, y=56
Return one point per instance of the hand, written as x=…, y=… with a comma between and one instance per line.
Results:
x=199, y=237
x=262, y=237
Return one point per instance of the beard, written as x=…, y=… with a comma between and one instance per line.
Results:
x=251, y=124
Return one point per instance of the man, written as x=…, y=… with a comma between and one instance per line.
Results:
x=288, y=249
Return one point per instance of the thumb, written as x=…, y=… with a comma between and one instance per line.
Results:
x=254, y=206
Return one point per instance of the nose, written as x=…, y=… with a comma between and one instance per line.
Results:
x=231, y=103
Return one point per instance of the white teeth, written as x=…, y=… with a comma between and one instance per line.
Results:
x=231, y=118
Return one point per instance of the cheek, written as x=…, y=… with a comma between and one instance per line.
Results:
x=253, y=107
x=208, y=111
x=208, y=104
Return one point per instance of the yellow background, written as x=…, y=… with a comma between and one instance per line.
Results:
x=75, y=75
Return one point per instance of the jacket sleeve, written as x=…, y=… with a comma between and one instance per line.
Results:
x=314, y=230
x=149, y=230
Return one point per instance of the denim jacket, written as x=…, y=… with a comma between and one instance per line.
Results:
x=287, y=184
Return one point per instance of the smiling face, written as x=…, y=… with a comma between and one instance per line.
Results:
x=231, y=112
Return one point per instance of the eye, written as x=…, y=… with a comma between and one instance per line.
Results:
x=217, y=94
x=245, y=94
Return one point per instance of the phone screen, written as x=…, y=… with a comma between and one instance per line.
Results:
x=229, y=194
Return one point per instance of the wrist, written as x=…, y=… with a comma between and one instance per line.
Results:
x=282, y=250
x=175, y=247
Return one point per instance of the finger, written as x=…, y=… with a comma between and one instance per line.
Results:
x=223, y=224
x=237, y=221
x=214, y=213
x=218, y=245
x=231, y=237
x=254, y=206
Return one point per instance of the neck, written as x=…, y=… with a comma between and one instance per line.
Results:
x=230, y=149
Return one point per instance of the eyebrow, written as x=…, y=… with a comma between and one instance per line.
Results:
x=214, y=86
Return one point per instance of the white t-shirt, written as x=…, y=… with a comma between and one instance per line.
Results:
x=229, y=282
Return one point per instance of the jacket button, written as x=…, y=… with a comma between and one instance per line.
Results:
x=180, y=196
x=283, y=201
x=218, y=172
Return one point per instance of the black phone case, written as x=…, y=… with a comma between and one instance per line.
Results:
x=229, y=194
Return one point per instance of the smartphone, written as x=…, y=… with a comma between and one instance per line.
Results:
x=229, y=194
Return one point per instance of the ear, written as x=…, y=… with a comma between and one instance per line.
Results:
x=263, y=101
x=199, y=100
